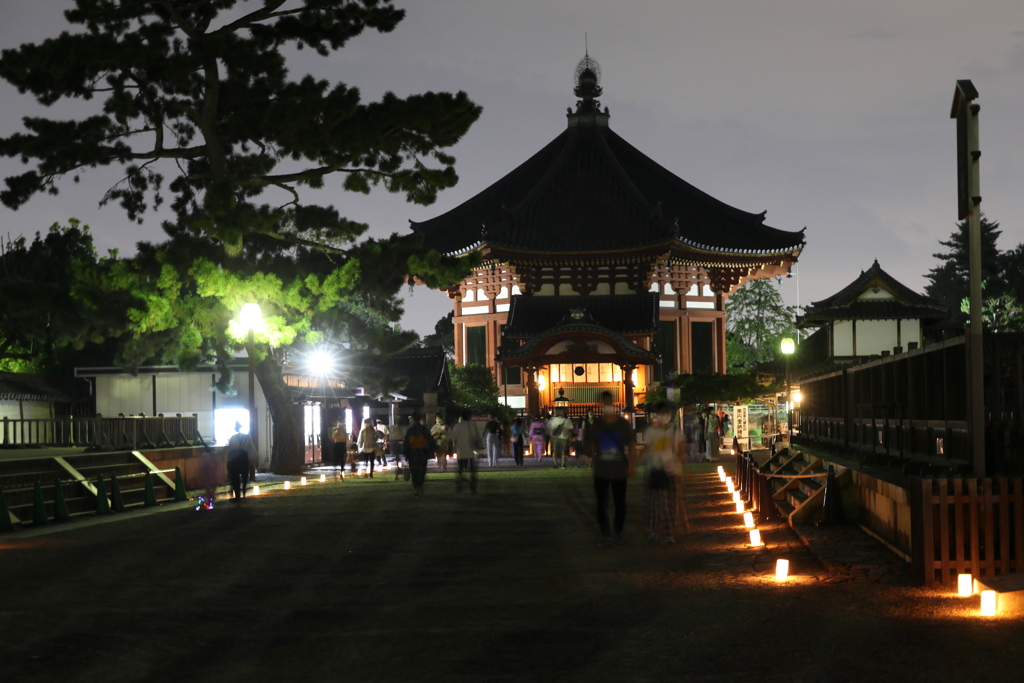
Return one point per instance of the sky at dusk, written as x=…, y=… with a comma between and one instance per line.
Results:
x=829, y=115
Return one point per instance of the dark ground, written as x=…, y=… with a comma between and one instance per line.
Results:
x=359, y=581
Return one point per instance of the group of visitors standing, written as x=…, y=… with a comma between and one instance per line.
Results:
x=558, y=434
x=705, y=432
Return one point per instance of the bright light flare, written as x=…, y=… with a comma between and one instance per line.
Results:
x=251, y=317
x=965, y=585
x=320, y=362
x=988, y=603
x=781, y=570
x=755, y=538
x=788, y=346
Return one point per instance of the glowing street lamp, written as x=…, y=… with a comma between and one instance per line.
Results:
x=320, y=364
x=788, y=347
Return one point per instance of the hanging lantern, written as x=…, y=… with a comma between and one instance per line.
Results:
x=748, y=520
x=755, y=538
x=287, y=484
x=965, y=585
x=781, y=570
x=988, y=603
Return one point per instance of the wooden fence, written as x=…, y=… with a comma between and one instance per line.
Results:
x=116, y=433
x=966, y=526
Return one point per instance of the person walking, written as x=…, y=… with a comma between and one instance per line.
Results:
x=241, y=456
x=339, y=451
x=466, y=442
x=538, y=437
x=613, y=449
x=664, y=502
x=560, y=429
x=418, y=445
x=587, y=426
x=383, y=437
x=397, y=442
x=518, y=437
x=711, y=435
x=368, y=444
x=440, y=433
x=492, y=438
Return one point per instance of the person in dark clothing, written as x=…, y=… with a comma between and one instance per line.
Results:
x=239, y=461
x=613, y=449
x=518, y=436
x=418, y=446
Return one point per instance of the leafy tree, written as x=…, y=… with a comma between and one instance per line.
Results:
x=949, y=282
x=474, y=387
x=201, y=91
x=757, y=320
x=732, y=388
x=42, y=328
x=1003, y=313
x=443, y=336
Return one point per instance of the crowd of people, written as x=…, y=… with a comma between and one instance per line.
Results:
x=604, y=441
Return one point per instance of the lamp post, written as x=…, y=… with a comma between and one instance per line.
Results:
x=788, y=347
x=320, y=363
x=251, y=317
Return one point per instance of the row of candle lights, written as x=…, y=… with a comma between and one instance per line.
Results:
x=781, y=566
x=967, y=585
x=288, y=484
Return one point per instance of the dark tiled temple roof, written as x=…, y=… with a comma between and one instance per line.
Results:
x=626, y=314
x=26, y=387
x=844, y=305
x=629, y=348
x=425, y=368
x=590, y=190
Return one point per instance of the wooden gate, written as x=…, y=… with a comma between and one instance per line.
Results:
x=966, y=526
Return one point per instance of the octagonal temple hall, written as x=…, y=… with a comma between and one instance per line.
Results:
x=602, y=270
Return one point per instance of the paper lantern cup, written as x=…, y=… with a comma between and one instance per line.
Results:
x=781, y=570
x=736, y=497
x=287, y=485
x=965, y=585
x=748, y=520
x=255, y=490
x=755, y=537
x=988, y=603
x=303, y=481
x=323, y=478
x=740, y=507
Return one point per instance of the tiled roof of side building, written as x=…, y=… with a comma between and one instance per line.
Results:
x=872, y=310
x=426, y=369
x=846, y=298
x=627, y=314
x=590, y=190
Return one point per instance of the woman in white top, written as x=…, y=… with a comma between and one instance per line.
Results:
x=664, y=499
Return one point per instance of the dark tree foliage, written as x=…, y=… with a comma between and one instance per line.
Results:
x=443, y=336
x=197, y=104
x=43, y=328
x=949, y=282
x=200, y=105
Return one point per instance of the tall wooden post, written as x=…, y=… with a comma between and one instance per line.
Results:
x=969, y=204
x=532, y=396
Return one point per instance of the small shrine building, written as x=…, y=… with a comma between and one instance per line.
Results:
x=602, y=270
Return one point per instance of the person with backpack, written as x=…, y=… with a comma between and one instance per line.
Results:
x=560, y=429
x=613, y=449
x=538, y=436
x=418, y=446
x=663, y=455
